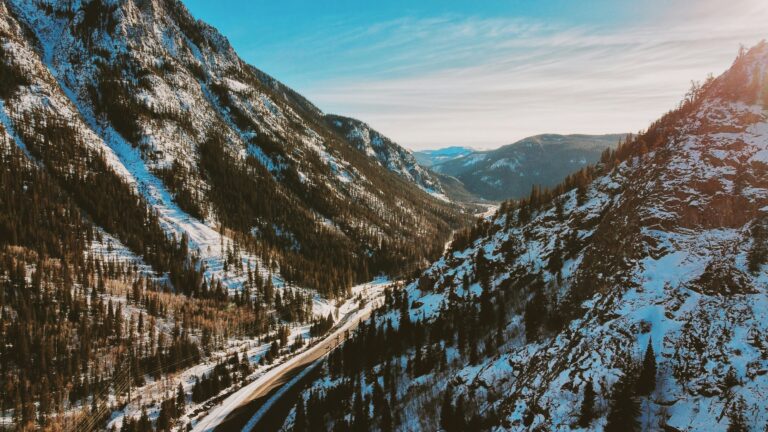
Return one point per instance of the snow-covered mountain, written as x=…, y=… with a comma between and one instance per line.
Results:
x=172, y=218
x=387, y=153
x=220, y=151
x=173, y=222
x=429, y=158
x=631, y=296
x=511, y=170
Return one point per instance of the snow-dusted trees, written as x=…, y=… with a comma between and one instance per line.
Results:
x=536, y=311
x=360, y=415
x=11, y=77
x=535, y=315
x=736, y=419
x=212, y=383
x=389, y=357
x=555, y=263
x=278, y=216
x=300, y=418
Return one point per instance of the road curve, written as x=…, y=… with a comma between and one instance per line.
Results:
x=282, y=373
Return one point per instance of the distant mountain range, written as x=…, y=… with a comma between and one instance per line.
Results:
x=429, y=158
x=511, y=171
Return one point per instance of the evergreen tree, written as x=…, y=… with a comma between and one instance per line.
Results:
x=587, y=413
x=535, y=312
x=181, y=398
x=459, y=415
x=446, y=412
x=555, y=263
x=758, y=253
x=386, y=423
x=736, y=420
x=646, y=382
x=144, y=424
x=624, y=408
x=300, y=419
x=581, y=194
x=360, y=411
x=164, y=419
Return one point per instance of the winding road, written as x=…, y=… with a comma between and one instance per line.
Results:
x=243, y=408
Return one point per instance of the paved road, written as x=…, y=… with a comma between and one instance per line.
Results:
x=260, y=401
x=240, y=405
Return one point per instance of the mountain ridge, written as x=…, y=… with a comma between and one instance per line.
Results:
x=511, y=170
x=429, y=158
x=128, y=101
x=630, y=296
x=170, y=214
x=387, y=153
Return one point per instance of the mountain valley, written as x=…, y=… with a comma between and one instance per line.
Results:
x=186, y=243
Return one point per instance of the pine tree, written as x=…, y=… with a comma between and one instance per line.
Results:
x=730, y=379
x=300, y=420
x=459, y=415
x=758, y=253
x=446, y=412
x=587, y=413
x=646, y=382
x=386, y=423
x=144, y=424
x=736, y=420
x=555, y=263
x=624, y=408
x=360, y=410
x=581, y=194
x=181, y=399
x=164, y=419
x=535, y=312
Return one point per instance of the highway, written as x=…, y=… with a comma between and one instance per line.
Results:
x=238, y=410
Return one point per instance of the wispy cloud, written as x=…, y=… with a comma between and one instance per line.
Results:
x=486, y=82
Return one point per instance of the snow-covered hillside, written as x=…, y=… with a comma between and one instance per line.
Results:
x=387, y=153
x=170, y=213
x=175, y=112
x=547, y=315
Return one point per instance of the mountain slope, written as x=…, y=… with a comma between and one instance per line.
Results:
x=170, y=215
x=387, y=153
x=510, y=171
x=632, y=295
x=214, y=145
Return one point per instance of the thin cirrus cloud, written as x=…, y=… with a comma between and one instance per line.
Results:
x=485, y=82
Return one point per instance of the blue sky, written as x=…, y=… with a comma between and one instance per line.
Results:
x=485, y=73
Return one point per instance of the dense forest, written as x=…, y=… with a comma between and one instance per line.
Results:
x=369, y=373
x=74, y=323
